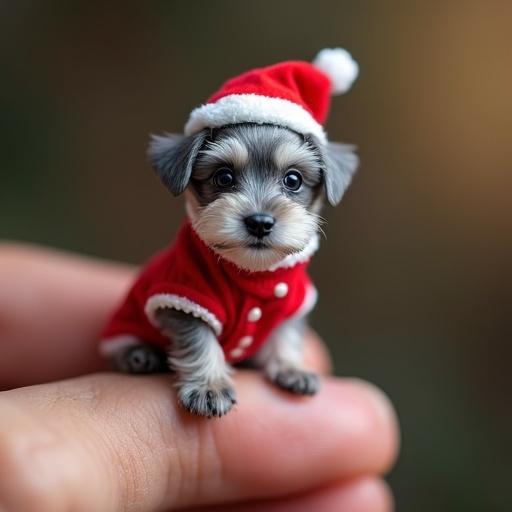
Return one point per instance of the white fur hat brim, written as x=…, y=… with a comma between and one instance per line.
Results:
x=254, y=108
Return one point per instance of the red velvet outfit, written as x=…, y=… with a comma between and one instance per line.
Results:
x=241, y=307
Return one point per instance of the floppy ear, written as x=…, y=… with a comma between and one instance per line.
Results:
x=340, y=164
x=173, y=157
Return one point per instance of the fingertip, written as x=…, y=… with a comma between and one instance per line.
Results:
x=385, y=422
x=366, y=423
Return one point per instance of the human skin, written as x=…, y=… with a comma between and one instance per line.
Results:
x=78, y=438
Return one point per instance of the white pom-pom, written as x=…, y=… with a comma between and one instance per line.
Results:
x=339, y=66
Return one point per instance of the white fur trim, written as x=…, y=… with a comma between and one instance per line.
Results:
x=299, y=257
x=339, y=66
x=109, y=346
x=254, y=108
x=180, y=303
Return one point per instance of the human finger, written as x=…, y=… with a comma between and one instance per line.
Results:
x=138, y=451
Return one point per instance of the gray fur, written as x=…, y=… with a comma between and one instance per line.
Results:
x=260, y=176
x=203, y=377
x=282, y=359
x=173, y=158
x=141, y=359
x=340, y=166
x=297, y=381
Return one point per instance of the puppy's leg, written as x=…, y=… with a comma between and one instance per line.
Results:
x=203, y=376
x=282, y=359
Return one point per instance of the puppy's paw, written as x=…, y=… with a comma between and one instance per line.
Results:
x=142, y=359
x=297, y=381
x=207, y=399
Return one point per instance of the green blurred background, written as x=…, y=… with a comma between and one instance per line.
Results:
x=415, y=272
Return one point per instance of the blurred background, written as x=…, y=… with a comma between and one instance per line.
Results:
x=415, y=273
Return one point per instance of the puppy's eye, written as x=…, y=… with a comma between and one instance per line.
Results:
x=292, y=180
x=224, y=178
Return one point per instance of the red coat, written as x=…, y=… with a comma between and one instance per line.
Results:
x=241, y=307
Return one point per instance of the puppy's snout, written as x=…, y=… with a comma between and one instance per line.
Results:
x=259, y=224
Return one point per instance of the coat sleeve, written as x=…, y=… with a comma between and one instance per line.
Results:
x=193, y=300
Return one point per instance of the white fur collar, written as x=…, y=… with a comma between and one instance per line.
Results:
x=299, y=257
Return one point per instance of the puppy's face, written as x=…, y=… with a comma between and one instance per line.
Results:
x=253, y=191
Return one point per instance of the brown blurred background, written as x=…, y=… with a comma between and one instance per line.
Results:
x=415, y=275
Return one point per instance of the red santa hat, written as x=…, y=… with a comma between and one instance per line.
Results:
x=295, y=94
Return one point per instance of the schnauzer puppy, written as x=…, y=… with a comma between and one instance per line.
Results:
x=253, y=195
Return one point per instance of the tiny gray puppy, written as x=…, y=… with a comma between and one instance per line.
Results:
x=255, y=167
x=253, y=194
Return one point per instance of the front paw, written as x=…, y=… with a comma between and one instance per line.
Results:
x=297, y=381
x=207, y=399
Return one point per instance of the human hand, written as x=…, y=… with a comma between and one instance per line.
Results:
x=106, y=442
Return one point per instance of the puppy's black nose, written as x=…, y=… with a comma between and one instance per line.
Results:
x=259, y=224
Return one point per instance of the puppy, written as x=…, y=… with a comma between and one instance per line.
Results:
x=253, y=195
x=255, y=165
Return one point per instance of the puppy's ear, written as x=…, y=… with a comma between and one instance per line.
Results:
x=173, y=157
x=340, y=164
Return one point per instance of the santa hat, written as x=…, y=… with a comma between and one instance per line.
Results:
x=294, y=94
